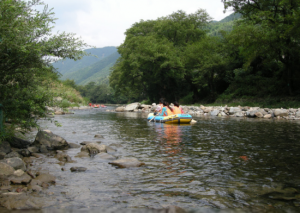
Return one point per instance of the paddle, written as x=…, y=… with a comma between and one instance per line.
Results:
x=152, y=118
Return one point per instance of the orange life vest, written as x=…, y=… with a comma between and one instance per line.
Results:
x=176, y=110
x=169, y=111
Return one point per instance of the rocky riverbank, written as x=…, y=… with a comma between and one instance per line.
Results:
x=240, y=111
x=24, y=185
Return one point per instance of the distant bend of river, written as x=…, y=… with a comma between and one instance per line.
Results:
x=245, y=164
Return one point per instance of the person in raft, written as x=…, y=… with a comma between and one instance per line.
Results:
x=159, y=107
x=177, y=109
x=166, y=110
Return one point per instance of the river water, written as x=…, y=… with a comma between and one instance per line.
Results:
x=218, y=164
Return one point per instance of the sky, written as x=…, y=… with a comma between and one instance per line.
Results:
x=102, y=23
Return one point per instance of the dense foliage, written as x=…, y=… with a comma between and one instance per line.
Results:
x=27, y=49
x=185, y=57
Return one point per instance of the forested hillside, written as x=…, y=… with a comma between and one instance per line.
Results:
x=96, y=54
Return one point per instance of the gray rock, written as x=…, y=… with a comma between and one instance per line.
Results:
x=127, y=162
x=281, y=112
x=50, y=140
x=2, y=155
x=268, y=116
x=251, y=114
x=214, y=112
x=33, y=149
x=131, y=107
x=24, y=152
x=45, y=178
x=19, y=143
x=15, y=162
x=297, y=114
x=5, y=147
x=120, y=109
x=259, y=114
x=24, y=178
x=73, y=145
x=239, y=114
x=61, y=156
x=78, y=169
x=13, y=155
x=94, y=148
x=6, y=169
x=43, y=149
x=234, y=110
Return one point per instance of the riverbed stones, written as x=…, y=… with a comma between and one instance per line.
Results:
x=33, y=149
x=214, y=112
x=73, y=145
x=49, y=140
x=127, y=162
x=234, y=110
x=24, y=178
x=120, y=109
x=78, y=169
x=15, y=162
x=94, y=148
x=268, y=116
x=44, y=178
x=5, y=147
x=6, y=169
x=281, y=112
x=61, y=156
x=19, y=143
x=259, y=114
x=13, y=154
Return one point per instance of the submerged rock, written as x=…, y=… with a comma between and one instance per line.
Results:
x=78, y=169
x=127, y=162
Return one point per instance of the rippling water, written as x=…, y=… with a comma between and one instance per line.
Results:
x=217, y=163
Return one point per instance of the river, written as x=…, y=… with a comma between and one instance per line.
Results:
x=236, y=164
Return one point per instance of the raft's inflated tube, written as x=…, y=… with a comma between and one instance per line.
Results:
x=171, y=119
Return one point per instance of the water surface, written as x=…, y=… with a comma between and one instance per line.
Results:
x=218, y=163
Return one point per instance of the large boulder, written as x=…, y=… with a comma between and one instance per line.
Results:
x=6, y=169
x=120, y=109
x=297, y=114
x=15, y=162
x=127, y=162
x=5, y=147
x=49, y=140
x=132, y=107
x=281, y=112
x=19, y=143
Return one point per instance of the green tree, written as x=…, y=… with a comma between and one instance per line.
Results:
x=208, y=60
x=152, y=57
x=27, y=49
x=269, y=31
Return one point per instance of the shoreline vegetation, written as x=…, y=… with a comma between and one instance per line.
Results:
x=198, y=110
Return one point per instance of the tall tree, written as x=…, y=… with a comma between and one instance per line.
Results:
x=27, y=48
x=152, y=63
x=270, y=30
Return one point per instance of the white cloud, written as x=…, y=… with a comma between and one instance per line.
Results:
x=103, y=22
